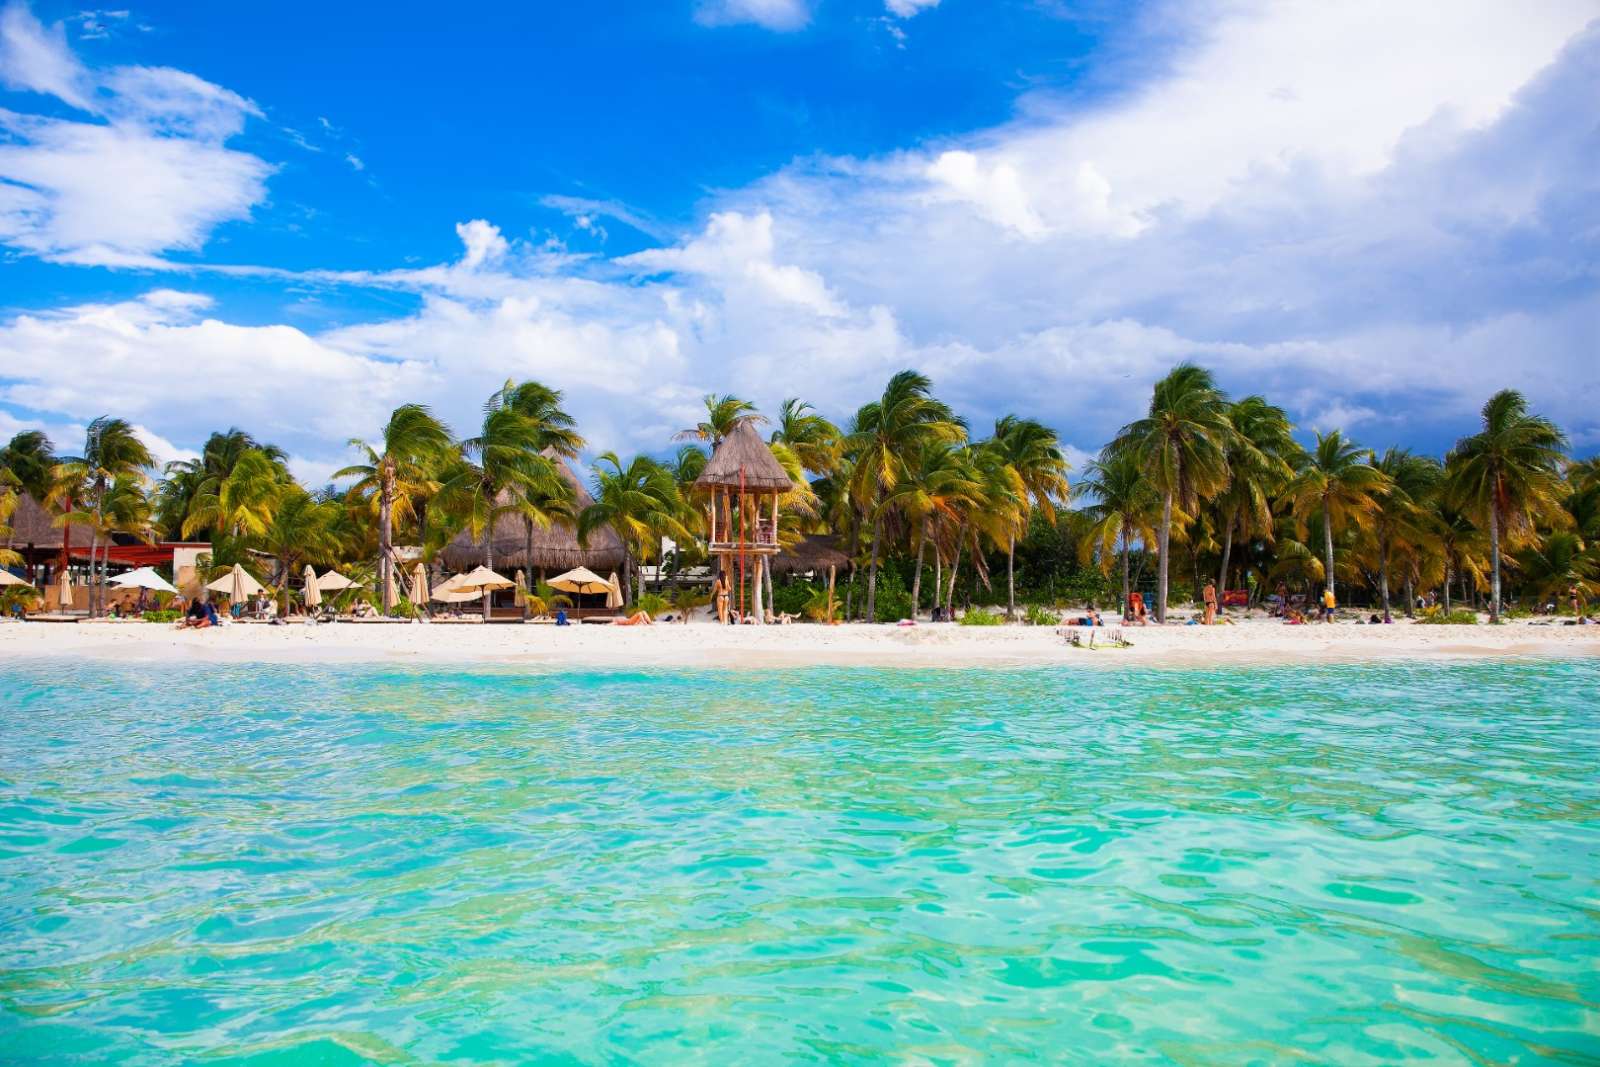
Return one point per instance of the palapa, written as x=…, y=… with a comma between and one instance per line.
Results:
x=743, y=459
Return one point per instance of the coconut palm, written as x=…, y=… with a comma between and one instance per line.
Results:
x=239, y=504
x=888, y=434
x=1508, y=474
x=1123, y=505
x=640, y=501
x=1181, y=444
x=724, y=413
x=1261, y=453
x=186, y=480
x=1462, y=547
x=301, y=531
x=1335, y=483
x=935, y=493
x=30, y=458
x=1033, y=452
x=395, y=469
x=1401, y=512
x=1558, y=564
x=500, y=470
x=559, y=440
x=111, y=450
x=814, y=440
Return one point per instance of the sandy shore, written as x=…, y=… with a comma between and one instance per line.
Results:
x=1259, y=641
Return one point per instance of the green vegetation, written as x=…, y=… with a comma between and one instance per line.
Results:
x=981, y=617
x=162, y=616
x=1450, y=618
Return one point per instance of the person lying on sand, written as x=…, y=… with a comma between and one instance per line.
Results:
x=638, y=618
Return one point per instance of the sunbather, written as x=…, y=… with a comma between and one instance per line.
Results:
x=638, y=618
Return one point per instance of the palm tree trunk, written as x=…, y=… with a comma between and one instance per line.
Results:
x=1411, y=600
x=638, y=577
x=1448, y=577
x=758, y=609
x=1163, y=543
x=527, y=566
x=1011, y=577
x=1227, y=550
x=1327, y=547
x=94, y=547
x=488, y=562
x=1494, y=562
x=916, y=578
x=955, y=566
x=1127, y=583
x=766, y=578
x=1383, y=576
x=938, y=575
x=872, y=571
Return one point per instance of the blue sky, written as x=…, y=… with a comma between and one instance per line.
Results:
x=1377, y=213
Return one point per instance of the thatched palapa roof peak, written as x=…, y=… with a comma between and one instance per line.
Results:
x=33, y=526
x=554, y=549
x=743, y=458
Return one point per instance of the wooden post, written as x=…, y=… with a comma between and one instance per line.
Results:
x=833, y=570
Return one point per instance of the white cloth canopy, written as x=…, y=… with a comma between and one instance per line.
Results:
x=313, y=594
x=613, y=592
x=144, y=578
x=237, y=583
x=65, y=594
x=333, y=581
x=419, y=584
x=580, y=580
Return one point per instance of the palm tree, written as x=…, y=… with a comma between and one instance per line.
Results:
x=1559, y=563
x=814, y=440
x=501, y=469
x=1261, y=454
x=1033, y=452
x=31, y=459
x=888, y=434
x=1401, y=510
x=1124, y=506
x=640, y=502
x=239, y=504
x=398, y=467
x=1460, y=543
x=185, y=480
x=934, y=494
x=301, y=531
x=1337, y=483
x=1181, y=444
x=1509, y=474
x=559, y=440
x=723, y=414
x=111, y=450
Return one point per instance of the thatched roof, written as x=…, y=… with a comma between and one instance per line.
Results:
x=744, y=458
x=816, y=552
x=554, y=549
x=32, y=525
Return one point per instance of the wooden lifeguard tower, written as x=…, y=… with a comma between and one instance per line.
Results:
x=742, y=483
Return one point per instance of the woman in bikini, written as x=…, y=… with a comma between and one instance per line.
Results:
x=719, y=590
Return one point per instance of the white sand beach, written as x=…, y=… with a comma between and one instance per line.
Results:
x=1255, y=641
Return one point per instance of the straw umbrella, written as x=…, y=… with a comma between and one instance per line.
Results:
x=313, y=593
x=334, y=582
x=238, y=584
x=580, y=580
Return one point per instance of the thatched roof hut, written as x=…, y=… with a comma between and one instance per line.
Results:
x=554, y=549
x=815, y=552
x=33, y=527
x=744, y=455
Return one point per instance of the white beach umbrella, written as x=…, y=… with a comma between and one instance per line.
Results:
x=144, y=578
x=613, y=592
x=580, y=580
x=449, y=592
x=419, y=584
x=7, y=578
x=313, y=594
x=65, y=593
x=333, y=582
x=238, y=584
x=481, y=580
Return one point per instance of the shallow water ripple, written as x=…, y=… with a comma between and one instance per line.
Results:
x=1352, y=864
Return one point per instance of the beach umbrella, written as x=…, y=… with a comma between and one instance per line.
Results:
x=419, y=584
x=522, y=588
x=144, y=578
x=238, y=584
x=613, y=592
x=449, y=592
x=313, y=593
x=391, y=595
x=580, y=580
x=481, y=580
x=66, y=589
x=333, y=582
x=7, y=578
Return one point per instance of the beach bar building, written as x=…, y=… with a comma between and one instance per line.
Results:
x=741, y=486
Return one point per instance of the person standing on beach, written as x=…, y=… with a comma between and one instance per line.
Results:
x=1328, y=604
x=1210, y=597
x=719, y=591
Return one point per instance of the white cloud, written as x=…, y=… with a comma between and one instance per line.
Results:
x=149, y=172
x=355, y=161
x=904, y=9
x=780, y=15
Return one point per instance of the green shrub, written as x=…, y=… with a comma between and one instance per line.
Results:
x=1039, y=615
x=792, y=597
x=654, y=603
x=982, y=617
x=162, y=616
x=1459, y=617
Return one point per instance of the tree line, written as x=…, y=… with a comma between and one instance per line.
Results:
x=1221, y=486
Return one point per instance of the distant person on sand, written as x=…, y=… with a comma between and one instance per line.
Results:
x=719, y=593
x=197, y=617
x=1210, y=597
x=1329, y=602
x=1136, y=614
x=638, y=618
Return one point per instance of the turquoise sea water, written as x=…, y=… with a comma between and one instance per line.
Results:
x=1347, y=864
